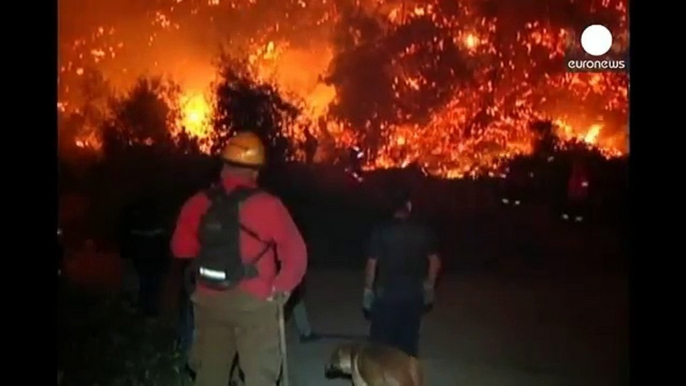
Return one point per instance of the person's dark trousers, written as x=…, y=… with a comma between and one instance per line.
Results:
x=396, y=322
x=150, y=285
x=150, y=274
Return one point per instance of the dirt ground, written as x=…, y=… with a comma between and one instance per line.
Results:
x=488, y=329
x=547, y=304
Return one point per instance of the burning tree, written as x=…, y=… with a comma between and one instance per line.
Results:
x=144, y=146
x=79, y=127
x=243, y=103
x=145, y=119
x=388, y=74
x=449, y=85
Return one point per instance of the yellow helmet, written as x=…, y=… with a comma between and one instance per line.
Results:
x=244, y=149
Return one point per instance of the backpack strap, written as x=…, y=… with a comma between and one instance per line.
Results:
x=242, y=193
x=267, y=245
x=214, y=192
x=254, y=234
x=251, y=270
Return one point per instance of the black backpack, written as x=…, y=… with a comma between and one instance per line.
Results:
x=219, y=264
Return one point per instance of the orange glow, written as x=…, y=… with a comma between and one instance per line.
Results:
x=196, y=112
x=515, y=78
x=470, y=41
x=591, y=136
x=88, y=141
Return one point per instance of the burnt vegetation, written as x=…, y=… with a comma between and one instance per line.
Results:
x=142, y=118
x=242, y=103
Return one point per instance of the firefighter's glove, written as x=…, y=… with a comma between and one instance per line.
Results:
x=367, y=299
x=279, y=297
x=429, y=294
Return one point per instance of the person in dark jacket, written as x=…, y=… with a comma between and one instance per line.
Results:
x=405, y=254
x=144, y=240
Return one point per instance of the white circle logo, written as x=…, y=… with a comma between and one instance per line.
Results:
x=596, y=40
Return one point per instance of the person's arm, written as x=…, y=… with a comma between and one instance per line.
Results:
x=370, y=274
x=373, y=257
x=434, y=261
x=434, y=268
x=184, y=241
x=290, y=248
x=370, y=271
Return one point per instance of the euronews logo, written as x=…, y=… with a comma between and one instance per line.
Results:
x=600, y=52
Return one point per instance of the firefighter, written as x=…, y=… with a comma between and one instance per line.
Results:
x=577, y=194
x=144, y=242
x=405, y=254
x=234, y=232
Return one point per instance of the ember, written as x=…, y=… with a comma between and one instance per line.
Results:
x=451, y=86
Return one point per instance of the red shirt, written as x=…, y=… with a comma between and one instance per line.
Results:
x=266, y=216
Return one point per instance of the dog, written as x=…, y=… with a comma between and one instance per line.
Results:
x=371, y=364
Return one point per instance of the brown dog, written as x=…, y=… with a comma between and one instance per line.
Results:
x=372, y=364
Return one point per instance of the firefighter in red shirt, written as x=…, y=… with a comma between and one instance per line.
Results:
x=239, y=317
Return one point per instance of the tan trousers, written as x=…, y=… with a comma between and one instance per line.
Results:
x=230, y=323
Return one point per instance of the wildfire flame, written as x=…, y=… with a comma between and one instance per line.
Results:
x=196, y=112
x=294, y=45
x=88, y=141
x=591, y=136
